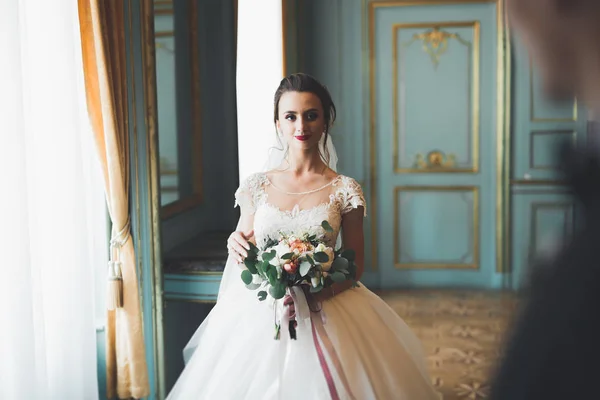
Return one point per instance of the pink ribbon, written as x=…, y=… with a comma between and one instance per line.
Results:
x=317, y=324
x=328, y=377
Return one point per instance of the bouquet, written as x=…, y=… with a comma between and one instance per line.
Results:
x=297, y=260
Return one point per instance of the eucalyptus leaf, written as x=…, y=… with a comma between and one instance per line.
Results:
x=326, y=226
x=272, y=276
x=338, y=277
x=321, y=257
x=352, y=269
x=310, y=259
x=246, y=277
x=339, y=264
x=349, y=255
x=262, y=295
x=287, y=256
x=260, y=268
x=277, y=291
x=266, y=266
x=253, y=286
x=269, y=256
x=250, y=265
x=304, y=268
x=253, y=248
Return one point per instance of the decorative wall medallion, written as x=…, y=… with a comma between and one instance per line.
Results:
x=435, y=42
x=435, y=159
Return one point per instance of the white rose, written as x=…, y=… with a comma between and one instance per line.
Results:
x=320, y=248
x=281, y=249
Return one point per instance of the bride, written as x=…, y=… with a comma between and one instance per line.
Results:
x=353, y=345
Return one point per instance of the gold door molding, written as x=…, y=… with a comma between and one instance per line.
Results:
x=435, y=38
x=475, y=228
x=565, y=206
x=536, y=133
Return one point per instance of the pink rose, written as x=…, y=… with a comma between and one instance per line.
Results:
x=291, y=267
x=300, y=246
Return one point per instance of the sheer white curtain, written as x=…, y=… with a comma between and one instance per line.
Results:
x=52, y=221
x=259, y=71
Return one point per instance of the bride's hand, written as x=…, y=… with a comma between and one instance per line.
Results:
x=237, y=245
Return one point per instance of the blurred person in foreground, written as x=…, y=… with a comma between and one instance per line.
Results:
x=553, y=350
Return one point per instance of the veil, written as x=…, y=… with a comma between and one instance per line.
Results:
x=231, y=284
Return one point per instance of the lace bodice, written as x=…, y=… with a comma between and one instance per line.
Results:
x=270, y=221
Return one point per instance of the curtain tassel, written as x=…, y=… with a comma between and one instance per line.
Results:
x=114, y=298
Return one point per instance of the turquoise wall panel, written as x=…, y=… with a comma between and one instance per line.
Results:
x=539, y=125
x=542, y=109
x=197, y=287
x=446, y=217
x=541, y=219
x=433, y=91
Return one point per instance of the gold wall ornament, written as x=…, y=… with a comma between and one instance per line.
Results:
x=435, y=159
x=435, y=42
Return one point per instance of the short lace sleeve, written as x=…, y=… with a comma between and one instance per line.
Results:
x=248, y=194
x=352, y=196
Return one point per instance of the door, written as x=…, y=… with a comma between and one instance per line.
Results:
x=437, y=88
x=543, y=211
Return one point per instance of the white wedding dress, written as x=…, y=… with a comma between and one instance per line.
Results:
x=357, y=347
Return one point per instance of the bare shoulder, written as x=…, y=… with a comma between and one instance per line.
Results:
x=330, y=174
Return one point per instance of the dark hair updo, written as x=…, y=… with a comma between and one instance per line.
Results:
x=305, y=83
